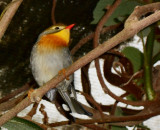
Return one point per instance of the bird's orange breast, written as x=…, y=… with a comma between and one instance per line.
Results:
x=57, y=40
x=52, y=41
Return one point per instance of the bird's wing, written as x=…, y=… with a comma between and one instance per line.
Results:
x=72, y=102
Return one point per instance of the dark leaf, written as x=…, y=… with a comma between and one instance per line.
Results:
x=21, y=124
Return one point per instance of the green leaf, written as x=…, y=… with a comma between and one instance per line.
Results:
x=135, y=56
x=144, y=32
x=141, y=127
x=131, y=97
x=99, y=10
x=156, y=48
x=118, y=128
x=124, y=9
x=118, y=112
x=20, y=124
x=156, y=58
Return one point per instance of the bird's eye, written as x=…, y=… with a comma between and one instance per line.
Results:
x=56, y=28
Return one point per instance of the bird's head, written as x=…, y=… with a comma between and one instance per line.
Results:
x=55, y=37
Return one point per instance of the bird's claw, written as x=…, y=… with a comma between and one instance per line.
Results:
x=63, y=71
x=33, y=96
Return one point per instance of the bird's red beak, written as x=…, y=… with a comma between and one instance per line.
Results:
x=70, y=26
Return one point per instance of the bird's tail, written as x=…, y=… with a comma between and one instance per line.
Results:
x=72, y=102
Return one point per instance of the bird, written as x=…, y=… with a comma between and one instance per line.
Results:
x=49, y=56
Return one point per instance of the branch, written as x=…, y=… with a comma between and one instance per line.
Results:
x=53, y=12
x=14, y=111
x=14, y=93
x=129, y=31
x=111, y=119
x=103, y=20
x=11, y=103
x=7, y=15
x=90, y=37
x=117, y=120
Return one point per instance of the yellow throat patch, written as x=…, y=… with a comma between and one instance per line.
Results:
x=55, y=40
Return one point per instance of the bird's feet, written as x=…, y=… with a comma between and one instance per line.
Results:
x=63, y=71
x=30, y=91
x=33, y=96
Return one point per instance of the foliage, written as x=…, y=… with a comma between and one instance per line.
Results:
x=121, y=13
x=135, y=56
x=118, y=112
x=20, y=124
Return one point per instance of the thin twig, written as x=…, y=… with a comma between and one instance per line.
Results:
x=94, y=127
x=103, y=20
x=11, y=103
x=91, y=99
x=14, y=93
x=14, y=111
x=120, y=71
x=131, y=78
x=53, y=12
x=90, y=37
x=43, y=126
x=98, y=30
x=117, y=119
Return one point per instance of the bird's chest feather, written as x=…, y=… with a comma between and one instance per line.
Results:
x=46, y=65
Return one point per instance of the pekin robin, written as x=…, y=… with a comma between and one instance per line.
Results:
x=49, y=56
